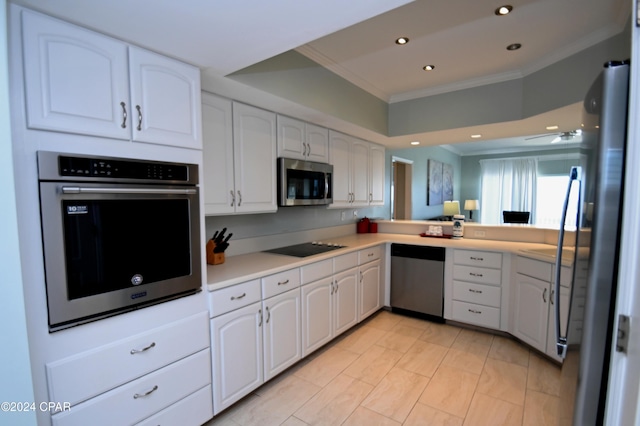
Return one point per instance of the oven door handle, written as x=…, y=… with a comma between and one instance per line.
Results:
x=89, y=190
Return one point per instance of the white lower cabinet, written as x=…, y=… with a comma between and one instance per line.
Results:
x=281, y=332
x=369, y=282
x=535, y=312
x=532, y=308
x=317, y=314
x=236, y=341
x=345, y=301
x=476, y=288
x=141, y=398
x=135, y=378
x=253, y=339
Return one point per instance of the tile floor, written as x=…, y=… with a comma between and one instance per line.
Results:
x=396, y=370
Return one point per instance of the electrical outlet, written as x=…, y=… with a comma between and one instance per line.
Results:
x=478, y=233
x=355, y=214
x=343, y=215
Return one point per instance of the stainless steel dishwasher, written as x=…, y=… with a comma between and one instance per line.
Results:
x=417, y=280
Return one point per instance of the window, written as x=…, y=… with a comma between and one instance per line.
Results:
x=551, y=191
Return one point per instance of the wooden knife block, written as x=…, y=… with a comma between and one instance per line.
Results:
x=213, y=258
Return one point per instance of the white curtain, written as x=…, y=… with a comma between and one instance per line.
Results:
x=508, y=184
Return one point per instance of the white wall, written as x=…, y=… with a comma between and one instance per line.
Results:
x=15, y=370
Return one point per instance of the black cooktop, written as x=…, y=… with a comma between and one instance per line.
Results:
x=305, y=249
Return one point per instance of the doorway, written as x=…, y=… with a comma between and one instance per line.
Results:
x=401, y=172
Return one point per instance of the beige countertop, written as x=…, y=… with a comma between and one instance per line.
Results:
x=246, y=267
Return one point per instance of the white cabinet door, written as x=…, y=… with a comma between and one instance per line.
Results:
x=317, y=314
x=291, y=138
x=340, y=158
x=254, y=144
x=360, y=173
x=376, y=175
x=317, y=139
x=345, y=300
x=236, y=339
x=217, y=130
x=369, y=290
x=76, y=80
x=165, y=95
x=551, y=331
x=282, y=334
x=531, y=311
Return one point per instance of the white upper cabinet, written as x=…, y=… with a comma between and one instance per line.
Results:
x=376, y=175
x=79, y=81
x=239, y=157
x=254, y=151
x=76, y=80
x=165, y=95
x=217, y=137
x=358, y=171
x=302, y=141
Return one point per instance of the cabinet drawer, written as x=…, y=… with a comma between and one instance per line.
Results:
x=91, y=373
x=141, y=398
x=476, y=314
x=534, y=268
x=476, y=293
x=315, y=271
x=345, y=261
x=195, y=409
x=477, y=275
x=369, y=255
x=477, y=258
x=234, y=297
x=280, y=282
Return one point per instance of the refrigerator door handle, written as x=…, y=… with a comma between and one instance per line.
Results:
x=561, y=341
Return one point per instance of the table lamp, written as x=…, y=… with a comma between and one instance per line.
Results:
x=471, y=205
x=451, y=208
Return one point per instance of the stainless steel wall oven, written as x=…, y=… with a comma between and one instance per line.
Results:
x=118, y=234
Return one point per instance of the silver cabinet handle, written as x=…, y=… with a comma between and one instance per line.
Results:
x=233, y=197
x=337, y=287
x=304, y=149
x=475, y=291
x=139, y=117
x=268, y=315
x=260, y=313
x=473, y=311
x=553, y=292
x=283, y=282
x=480, y=259
x=473, y=274
x=124, y=115
x=239, y=198
x=238, y=297
x=544, y=295
x=331, y=287
x=137, y=351
x=308, y=149
x=370, y=197
x=147, y=393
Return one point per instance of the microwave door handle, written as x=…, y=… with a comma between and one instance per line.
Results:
x=561, y=341
x=99, y=190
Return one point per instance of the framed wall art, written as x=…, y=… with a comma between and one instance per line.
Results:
x=439, y=182
x=434, y=182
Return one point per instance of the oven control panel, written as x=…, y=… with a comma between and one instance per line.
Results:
x=124, y=169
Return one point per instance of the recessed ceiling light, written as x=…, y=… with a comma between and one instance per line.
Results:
x=402, y=40
x=504, y=10
x=552, y=127
x=476, y=136
x=429, y=67
x=415, y=143
x=514, y=46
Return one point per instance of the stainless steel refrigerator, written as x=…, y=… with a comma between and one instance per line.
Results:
x=584, y=334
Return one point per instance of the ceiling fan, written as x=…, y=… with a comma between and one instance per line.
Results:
x=560, y=136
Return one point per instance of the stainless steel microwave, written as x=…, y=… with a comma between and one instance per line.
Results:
x=304, y=183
